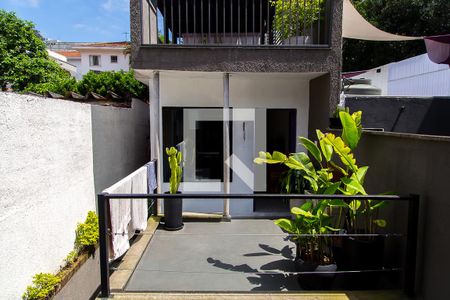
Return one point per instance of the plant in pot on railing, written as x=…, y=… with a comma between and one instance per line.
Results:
x=173, y=207
x=294, y=20
x=328, y=176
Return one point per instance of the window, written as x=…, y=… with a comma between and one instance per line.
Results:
x=114, y=59
x=94, y=60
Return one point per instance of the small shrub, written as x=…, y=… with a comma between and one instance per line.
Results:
x=87, y=232
x=121, y=82
x=71, y=258
x=44, y=285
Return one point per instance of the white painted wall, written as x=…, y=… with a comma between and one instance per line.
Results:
x=256, y=92
x=77, y=63
x=415, y=76
x=47, y=182
x=123, y=60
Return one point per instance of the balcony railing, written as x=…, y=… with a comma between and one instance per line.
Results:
x=295, y=23
x=407, y=268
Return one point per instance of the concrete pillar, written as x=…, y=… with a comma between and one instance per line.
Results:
x=155, y=130
x=226, y=143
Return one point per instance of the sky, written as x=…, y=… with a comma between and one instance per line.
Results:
x=75, y=20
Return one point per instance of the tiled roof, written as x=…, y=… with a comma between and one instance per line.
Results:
x=69, y=53
x=110, y=44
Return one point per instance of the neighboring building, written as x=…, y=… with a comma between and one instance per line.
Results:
x=73, y=57
x=99, y=57
x=415, y=76
x=202, y=61
x=64, y=62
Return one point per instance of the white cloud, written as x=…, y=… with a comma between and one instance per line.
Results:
x=116, y=5
x=31, y=3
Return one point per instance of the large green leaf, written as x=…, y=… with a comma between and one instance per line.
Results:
x=286, y=224
x=351, y=125
x=327, y=149
x=312, y=148
x=342, y=150
x=300, y=212
x=380, y=222
x=266, y=157
x=331, y=189
x=353, y=186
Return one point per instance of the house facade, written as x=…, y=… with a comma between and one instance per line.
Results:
x=229, y=79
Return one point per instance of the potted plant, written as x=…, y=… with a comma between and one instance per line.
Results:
x=331, y=168
x=173, y=207
x=294, y=19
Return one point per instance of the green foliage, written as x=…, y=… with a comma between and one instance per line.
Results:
x=71, y=258
x=44, y=285
x=175, y=160
x=56, y=84
x=295, y=16
x=406, y=17
x=327, y=176
x=121, y=82
x=23, y=56
x=87, y=233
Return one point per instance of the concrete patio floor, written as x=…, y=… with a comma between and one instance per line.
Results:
x=217, y=257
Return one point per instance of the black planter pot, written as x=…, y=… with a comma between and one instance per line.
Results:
x=359, y=255
x=311, y=281
x=173, y=213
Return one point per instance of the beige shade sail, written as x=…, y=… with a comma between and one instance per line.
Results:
x=354, y=26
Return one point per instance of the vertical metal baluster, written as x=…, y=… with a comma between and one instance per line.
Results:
x=268, y=22
x=201, y=23
x=231, y=21
x=283, y=11
x=224, y=18
x=261, y=35
x=157, y=29
x=187, y=20
x=318, y=23
x=209, y=21
x=179, y=22
x=304, y=22
x=165, y=23
x=195, y=24
x=171, y=21
x=246, y=22
x=216, y=36
x=311, y=16
x=289, y=21
x=297, y=21
x=253, y=23
x=239, y=19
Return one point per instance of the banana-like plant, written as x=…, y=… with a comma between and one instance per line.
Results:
x=175, y=159
x=328, y=176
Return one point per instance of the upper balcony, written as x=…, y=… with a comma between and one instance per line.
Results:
x=181, y=34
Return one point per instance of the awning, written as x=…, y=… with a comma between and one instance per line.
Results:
x=354, y=26
x=438, y=48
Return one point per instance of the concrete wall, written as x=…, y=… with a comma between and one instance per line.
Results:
x=416, y=164
x=426, y=115
x=52, y=163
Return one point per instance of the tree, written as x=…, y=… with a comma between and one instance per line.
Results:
x=405, y=17
x=24, y=60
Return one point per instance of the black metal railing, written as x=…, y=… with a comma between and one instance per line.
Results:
x=409, y=265
x=304, y=23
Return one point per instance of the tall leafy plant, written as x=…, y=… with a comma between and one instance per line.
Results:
x=175, y=158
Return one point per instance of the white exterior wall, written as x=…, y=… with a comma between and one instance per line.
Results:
x=256, y=92
x=77, y=63
x=416, y=76
x=47, y=182
x=123, y=60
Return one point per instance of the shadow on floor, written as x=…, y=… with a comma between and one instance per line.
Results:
x=272, y=276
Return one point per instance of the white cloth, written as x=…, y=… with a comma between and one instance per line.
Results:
x=354, y=26
x=127, y=215
x=120, y=217
x=139, y=209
